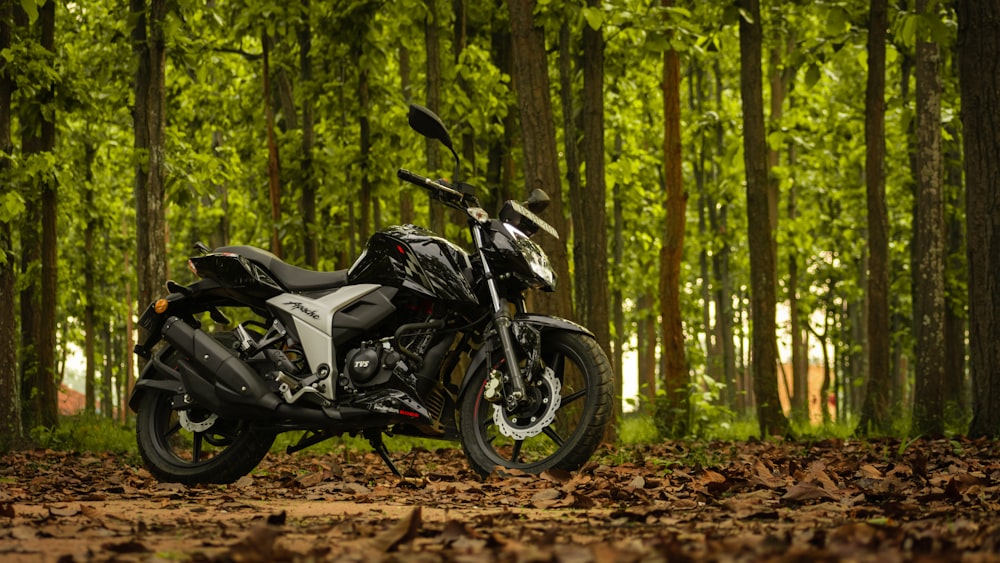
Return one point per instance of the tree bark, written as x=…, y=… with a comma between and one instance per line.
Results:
x=674, y=412
x=541, y=164
x=39, y=296
x=764, y=347
x=979, y=78
x=929, y=244
x=273, y=160
x=310, y=244
x=149, y=47
x=432, y=46
x=10, y=400
x=90, y=295
x=593, y=309
x=875, y=413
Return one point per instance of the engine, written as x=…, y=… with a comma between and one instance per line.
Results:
x=412, y=357
x=373, y=364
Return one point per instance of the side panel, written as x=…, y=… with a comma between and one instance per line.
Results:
x=313, y=319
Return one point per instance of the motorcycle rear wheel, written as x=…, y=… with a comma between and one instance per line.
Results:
x=584, y=410
x=222, y=452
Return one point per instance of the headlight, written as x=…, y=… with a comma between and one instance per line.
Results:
x=534, y=257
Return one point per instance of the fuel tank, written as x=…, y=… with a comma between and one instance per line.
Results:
x=409, y=257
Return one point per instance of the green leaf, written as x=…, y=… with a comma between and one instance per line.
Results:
x=11, y=206
x=812, y=75
x=594, y=17
x=30, y=8
x=836, y=21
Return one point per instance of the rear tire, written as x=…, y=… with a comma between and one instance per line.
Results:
x=194, y=445
x=585, y=394
x=221, y=453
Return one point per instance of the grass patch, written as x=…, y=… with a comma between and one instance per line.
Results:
x=87, y=433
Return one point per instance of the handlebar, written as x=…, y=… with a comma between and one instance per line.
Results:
x=438, y=188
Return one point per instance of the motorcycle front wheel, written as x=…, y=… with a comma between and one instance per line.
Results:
x=560, y=426
x=195, y=446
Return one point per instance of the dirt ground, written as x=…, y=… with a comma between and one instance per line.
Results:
x=758, y=501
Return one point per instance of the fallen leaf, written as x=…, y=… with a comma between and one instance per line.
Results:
x=399, y=533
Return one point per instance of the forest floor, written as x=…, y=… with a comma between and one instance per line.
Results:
x=925, y=500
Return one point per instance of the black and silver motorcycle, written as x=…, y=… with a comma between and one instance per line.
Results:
x=418, y=337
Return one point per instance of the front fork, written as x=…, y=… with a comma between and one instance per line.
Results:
x=502, y=322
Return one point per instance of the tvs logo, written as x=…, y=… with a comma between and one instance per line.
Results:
x=296, y=306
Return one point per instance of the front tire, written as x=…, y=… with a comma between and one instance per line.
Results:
x=580, y=374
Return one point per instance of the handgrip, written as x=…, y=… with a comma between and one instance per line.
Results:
x=427, y=183
x=408, y=176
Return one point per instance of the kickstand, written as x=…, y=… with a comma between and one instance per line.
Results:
x=374, y=437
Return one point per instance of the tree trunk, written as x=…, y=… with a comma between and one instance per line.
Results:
x=273, y=161
x=10, y=400
x=90, y=295
x=592, y=298
x=432, y=45
x=929, y=243
x=107, y=401
x=764, y=347
x=646, y=360
x=406, y=210
x=718, y=221
x=617, y=300
x=310, y=244
x=541, y=164
x=875, y=412
x=673, y=414
x=39, y=298
x=979, y=49
x=500, y=166
x=150, y=119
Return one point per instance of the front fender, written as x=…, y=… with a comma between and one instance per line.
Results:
x=543, y=323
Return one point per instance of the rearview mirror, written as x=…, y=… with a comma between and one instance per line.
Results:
x=425, y=122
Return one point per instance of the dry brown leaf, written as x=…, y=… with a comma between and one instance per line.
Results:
x=806, y=491
x=401, y=532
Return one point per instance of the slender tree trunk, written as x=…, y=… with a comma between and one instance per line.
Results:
x=406, y=211
x=718, y=221
x=646, y=330
x=979, y=49
x=432, y=46
x=310, y=244
x=617, y=300
x=89, y=325
x=39, y=297
x=928, y=412
x=107, y=401
x=875, y=412
x=273, y=161
x=763, y=273
x=150, y=141
x=500, y=164
x=571, y=147
x=956, y=398
x=10, y=400
x=673, y=414
x=541, y=164
x=592, y=298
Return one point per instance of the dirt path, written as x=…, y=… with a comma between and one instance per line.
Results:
x=859, y=501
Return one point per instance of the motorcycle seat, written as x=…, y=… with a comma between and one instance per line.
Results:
x=292, y=277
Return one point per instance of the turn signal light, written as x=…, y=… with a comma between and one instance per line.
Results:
x=160, y=306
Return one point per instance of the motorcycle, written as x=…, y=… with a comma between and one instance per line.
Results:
x=418, y=337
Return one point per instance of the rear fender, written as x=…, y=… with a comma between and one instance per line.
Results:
x=156, y=376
